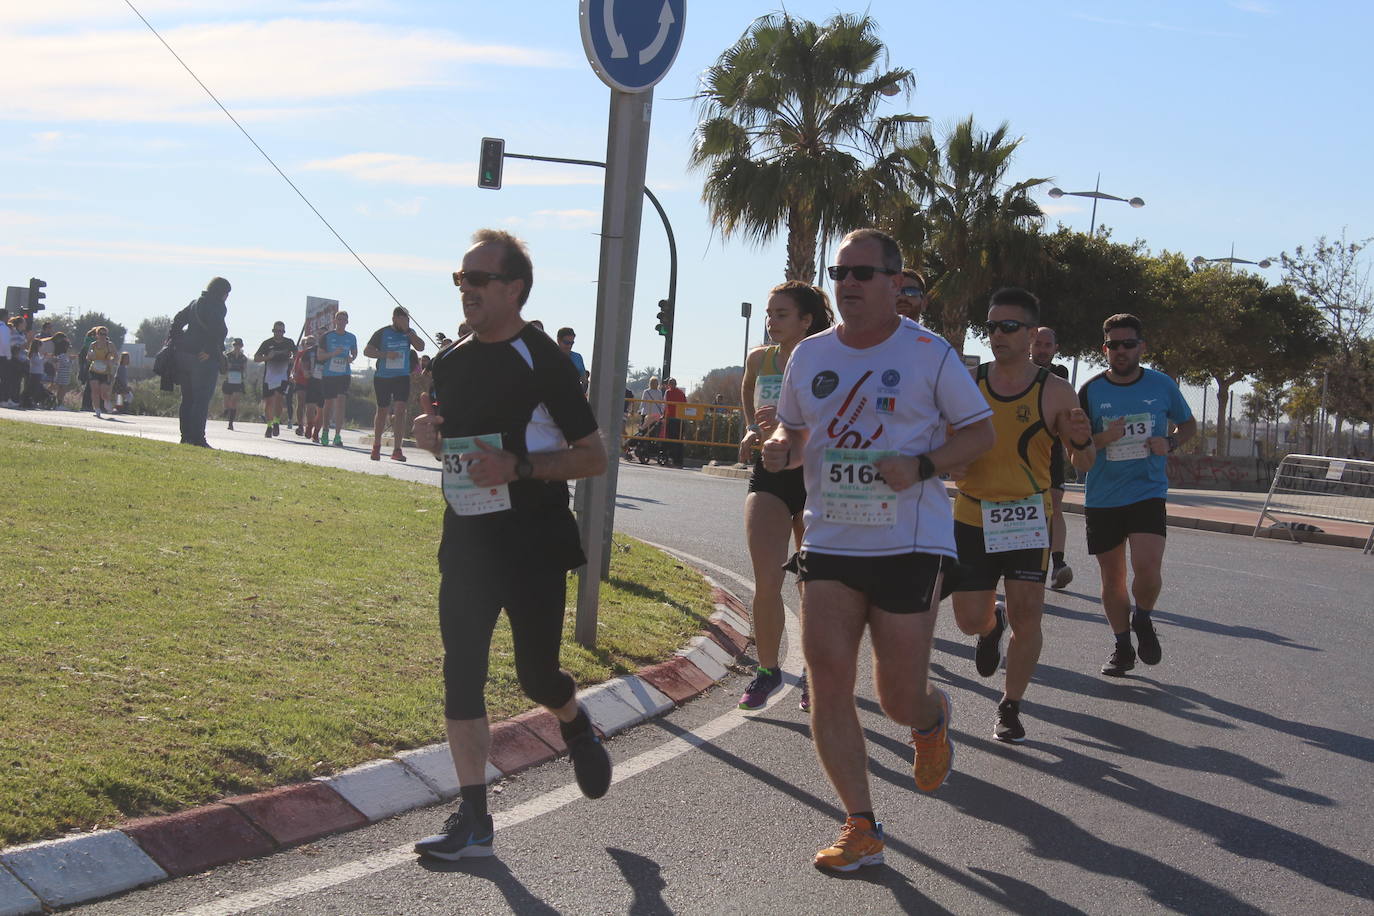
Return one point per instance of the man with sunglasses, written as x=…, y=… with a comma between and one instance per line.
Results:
x=1138, y=416
x=865, y=410
x=911, y=295
x=1002, y=509
x=1044, y=347
x=566, y=338
x=511, y=427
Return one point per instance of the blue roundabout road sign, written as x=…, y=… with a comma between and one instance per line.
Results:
x=632, y=43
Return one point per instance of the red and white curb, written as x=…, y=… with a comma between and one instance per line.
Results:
x=77, y=869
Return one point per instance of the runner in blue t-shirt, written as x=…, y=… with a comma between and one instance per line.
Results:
x=566, y=338
x=391, y=348
x=336, y=351
x=1138, y=416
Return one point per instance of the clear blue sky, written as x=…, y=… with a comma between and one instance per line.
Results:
x=1238, y=122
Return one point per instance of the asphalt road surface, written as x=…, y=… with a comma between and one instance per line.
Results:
x=1232, y=778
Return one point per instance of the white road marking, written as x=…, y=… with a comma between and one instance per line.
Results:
x=535, y=807
x=1256, y=575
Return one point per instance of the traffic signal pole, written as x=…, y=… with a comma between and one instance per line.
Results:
x=672, y=250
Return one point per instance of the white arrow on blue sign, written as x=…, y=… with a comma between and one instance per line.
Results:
x=631, y=44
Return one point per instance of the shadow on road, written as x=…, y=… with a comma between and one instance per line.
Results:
x=492, y=869
x=644, y=877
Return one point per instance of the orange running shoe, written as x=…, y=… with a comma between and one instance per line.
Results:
x=860, y=843
x=934, y=750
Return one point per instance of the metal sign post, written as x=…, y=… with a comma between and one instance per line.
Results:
x=630, y=49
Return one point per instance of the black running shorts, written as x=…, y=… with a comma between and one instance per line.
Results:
x=902, y=583
x=1057, y=466
x=1109, y=527
x=980, y=570
x=788, y=486
x=391, y=388
x=314, y=392
x=333, y=386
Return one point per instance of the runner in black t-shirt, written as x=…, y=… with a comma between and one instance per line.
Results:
x=509, y=537
x=277, y=352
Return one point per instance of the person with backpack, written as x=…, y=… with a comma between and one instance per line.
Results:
x=203, y=329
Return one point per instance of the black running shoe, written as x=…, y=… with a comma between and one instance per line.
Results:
x=1148, y=642
x=987, y=654
x=464, y=836
x=591, y=763
x=1120, y=661
x=1008, y=726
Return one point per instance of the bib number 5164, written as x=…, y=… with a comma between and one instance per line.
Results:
x=849, y=473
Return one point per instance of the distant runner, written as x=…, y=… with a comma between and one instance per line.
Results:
x=1139, y=416
x=335, y=352
x=276, y=352
x=391, y=347
x=1044, y=346
x=233, y=364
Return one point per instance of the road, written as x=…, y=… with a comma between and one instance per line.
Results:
x=1232, y=778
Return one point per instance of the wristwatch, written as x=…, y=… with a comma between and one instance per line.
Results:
x=925, y=468
x=524, y=470
x=754, y=428
x=1173, y=442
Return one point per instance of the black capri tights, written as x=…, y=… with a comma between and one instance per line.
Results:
x=469, y=603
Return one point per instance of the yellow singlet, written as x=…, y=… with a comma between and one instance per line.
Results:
x=1019, y=464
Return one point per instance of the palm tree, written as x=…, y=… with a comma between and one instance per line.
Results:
x=789, y=130
x=980, y=232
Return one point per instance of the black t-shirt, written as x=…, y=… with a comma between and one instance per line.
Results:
x=526, y=390
x=1060, y=370
x=276, y=351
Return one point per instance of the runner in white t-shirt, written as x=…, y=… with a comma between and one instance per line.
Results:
x=865, y=409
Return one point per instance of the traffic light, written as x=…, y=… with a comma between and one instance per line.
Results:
x=36, y=295
x=665, y=317
x=490, y=162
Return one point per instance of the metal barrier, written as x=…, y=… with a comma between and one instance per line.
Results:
x=710, y=425
x=1313, y=486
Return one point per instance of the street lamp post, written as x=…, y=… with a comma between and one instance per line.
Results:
x=746, y=309
x=1096, y=195
x=1232, y=261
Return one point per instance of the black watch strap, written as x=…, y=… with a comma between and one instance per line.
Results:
x=925, y=467
x=524, y=469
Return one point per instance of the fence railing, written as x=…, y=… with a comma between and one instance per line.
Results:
x=711, y=426
x=1313, y=486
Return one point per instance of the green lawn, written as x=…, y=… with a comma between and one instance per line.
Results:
x=177, y=625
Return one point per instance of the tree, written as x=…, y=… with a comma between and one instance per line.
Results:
x=152, y=332
x=1223, y=326
x=1084, y=279
x=76, y=330
x=789, y=133
x=980, y=231
x=1335, y=278
x=1264, y=403
x=724, y=381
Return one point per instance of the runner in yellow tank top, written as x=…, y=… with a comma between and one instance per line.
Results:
x=1001, y=513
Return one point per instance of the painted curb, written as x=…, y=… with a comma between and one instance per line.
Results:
x=198, y=840
x=299, y=813
x=15, y=898
x=79, y=869
x=381, y=788
x=75, y=869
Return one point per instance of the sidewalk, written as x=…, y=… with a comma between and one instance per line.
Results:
x=1223, y=511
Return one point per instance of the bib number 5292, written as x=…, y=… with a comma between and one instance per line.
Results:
x=1003, y=514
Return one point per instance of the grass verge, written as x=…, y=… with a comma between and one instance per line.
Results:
x=179, y=625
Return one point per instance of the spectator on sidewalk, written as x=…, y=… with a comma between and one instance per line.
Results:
x=62, y=362
x=672, y=396
x=203, y=329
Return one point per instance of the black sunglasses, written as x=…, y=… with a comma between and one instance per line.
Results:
x=478, y=278
x=1129, y=343
x=1006, y=325
x=911, y=292
x=862, y=272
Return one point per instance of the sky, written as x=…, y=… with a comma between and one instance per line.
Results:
x=122, y=185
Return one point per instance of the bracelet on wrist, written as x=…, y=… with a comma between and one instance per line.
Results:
x=1080, y=447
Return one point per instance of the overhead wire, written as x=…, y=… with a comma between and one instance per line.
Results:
x=274, y=165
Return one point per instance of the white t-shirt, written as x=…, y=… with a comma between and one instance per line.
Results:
x=900, y=395
x=653, y=406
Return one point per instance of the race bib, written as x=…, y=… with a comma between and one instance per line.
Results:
x=338, y=364
x=395, y=361
x=852, y=490
x=462, y=495
x=1132, y=445
x=767, y=390
x=99, y=366
x=235, y=377
x=1017, y=524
